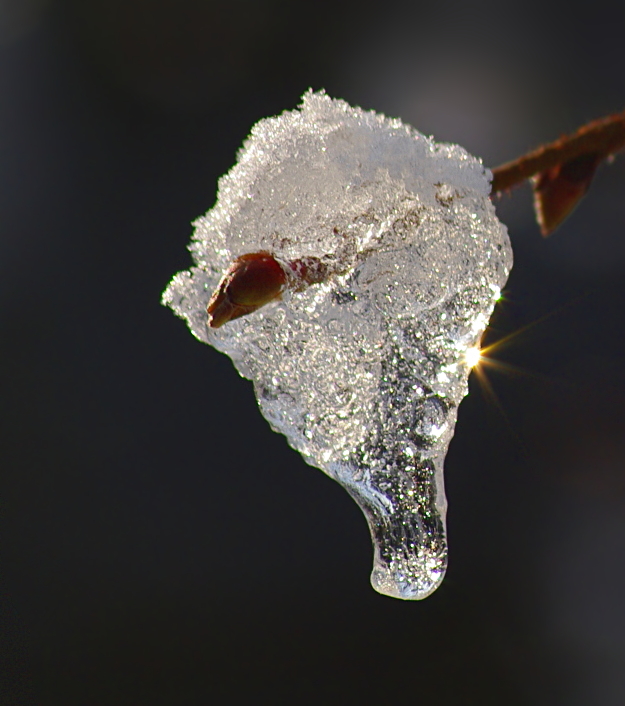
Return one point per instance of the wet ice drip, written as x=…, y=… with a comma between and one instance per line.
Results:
x=363, y=372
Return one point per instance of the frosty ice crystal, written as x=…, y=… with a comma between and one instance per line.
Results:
x=363, y=373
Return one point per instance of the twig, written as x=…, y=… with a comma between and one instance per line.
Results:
x=600, y=138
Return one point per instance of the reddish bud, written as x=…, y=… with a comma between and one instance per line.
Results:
x=558, y=190
x=253, y=280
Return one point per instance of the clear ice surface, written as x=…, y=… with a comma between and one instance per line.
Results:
x=364, y=372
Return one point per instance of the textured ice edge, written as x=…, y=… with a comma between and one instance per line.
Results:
x=363, y=373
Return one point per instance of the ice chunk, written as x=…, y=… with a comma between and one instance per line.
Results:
x=362, y=372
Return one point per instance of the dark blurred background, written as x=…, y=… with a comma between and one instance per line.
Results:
x=159, y=545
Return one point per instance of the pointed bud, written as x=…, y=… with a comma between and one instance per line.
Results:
x=253, y=280
x=558, y=190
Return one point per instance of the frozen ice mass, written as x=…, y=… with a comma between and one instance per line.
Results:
x=363, y=371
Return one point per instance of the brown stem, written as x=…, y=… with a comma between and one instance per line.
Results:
x=601, y=138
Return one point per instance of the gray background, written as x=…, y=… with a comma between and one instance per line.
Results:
x=159, y=544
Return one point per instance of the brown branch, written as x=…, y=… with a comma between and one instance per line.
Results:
x=600, y=138
x=562, y=172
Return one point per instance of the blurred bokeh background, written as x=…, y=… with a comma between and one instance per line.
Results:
x=159, y=545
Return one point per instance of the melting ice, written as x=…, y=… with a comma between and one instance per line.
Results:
x=363, y=373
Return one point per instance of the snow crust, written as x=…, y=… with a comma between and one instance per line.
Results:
x=362, y=373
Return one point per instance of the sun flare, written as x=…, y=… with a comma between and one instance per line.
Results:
x=473, y=356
